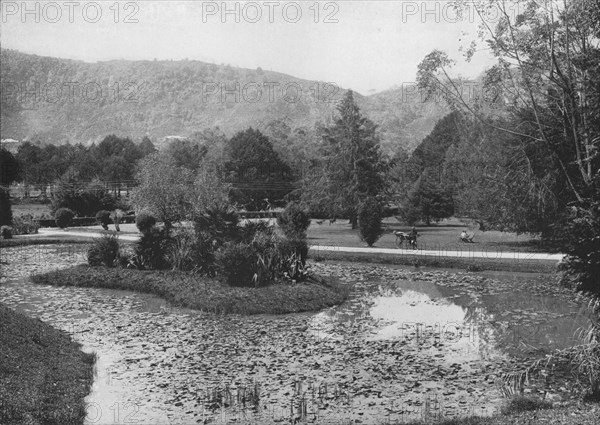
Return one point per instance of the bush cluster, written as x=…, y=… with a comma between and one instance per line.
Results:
x=145, y=221
x=25, y=225
x=104, y=251
x=6, y=232
x=254, y=254
x=84, y=202
x=294, y=221
x=63, y=217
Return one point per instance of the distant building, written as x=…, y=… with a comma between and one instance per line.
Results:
x=10, y=145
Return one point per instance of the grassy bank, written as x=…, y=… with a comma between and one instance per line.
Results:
x=42, y=240
x=583, y=414
x=201, y=293
x=469, y=264
x=44, y=377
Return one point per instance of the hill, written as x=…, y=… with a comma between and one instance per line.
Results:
x=58, y=100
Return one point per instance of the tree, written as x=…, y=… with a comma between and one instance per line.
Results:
x=352, y=168
x=186, y=153
x=258, y=175
x=544, y=87
x=146, y=146
x=164, y=189
x=10, y=169
x=429, y=200
x=5, y=208
x=369, y=221
x=208, y=190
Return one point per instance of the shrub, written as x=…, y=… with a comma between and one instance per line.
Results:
x=182, y=253
x=25, y=225
x=105, y=251
x=5, y=209
x=294, y=221
x=582, y=262
x=293, y=254
x=369, y=221
x=84, y=201
x=145, y=222
x=219, y=223
x=519, y=404
x=236, y=263
x=63, y=217
x=6, y=232
x=267, y=249
x=152, y=250
x=103, y=218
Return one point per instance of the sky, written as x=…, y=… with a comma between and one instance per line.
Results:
x=367, y=46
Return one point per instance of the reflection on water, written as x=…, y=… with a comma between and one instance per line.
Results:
x=517, y=323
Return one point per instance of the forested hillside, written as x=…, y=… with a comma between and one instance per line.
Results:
x=57, y=100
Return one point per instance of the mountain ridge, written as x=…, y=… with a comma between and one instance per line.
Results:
x=66, y=100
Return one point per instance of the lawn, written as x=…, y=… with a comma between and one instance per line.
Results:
x=35, y=209
x=202, y=293
x=44, y=376
x=444, y=235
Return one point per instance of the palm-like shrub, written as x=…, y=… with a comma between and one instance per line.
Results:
x=294, y=221
x=369, y=221
x=105, y=250
x=219, y=223
x=237, y=264
x=153, y=248
x=63, y=217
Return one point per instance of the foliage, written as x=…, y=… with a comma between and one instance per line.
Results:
x=153, y=249
x=6, y=232
x=428, y=201
x=105, y=251
x=63, y=217
x=352, y=166
x=85, y=200
x=208, y=189
x=217, y=224
x=369, y=221
x=25, y=225
x=103, y=218
x=582, y=248
x=186, y=153
x=544, y=86
x=144, y=221
x=294, y=220
x=258, y=175
x=185, y=255
x=164, y=189
x=6, y=216
x=524, y=404
x=10, y=169
x=237, y=262
x=582, y=360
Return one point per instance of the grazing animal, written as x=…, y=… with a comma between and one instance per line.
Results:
x=332, y=220
x=402, y=237
x=320, y=221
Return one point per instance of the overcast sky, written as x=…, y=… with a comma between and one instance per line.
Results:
x=363, y=45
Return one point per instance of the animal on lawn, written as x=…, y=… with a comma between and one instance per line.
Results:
x=405, y=238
